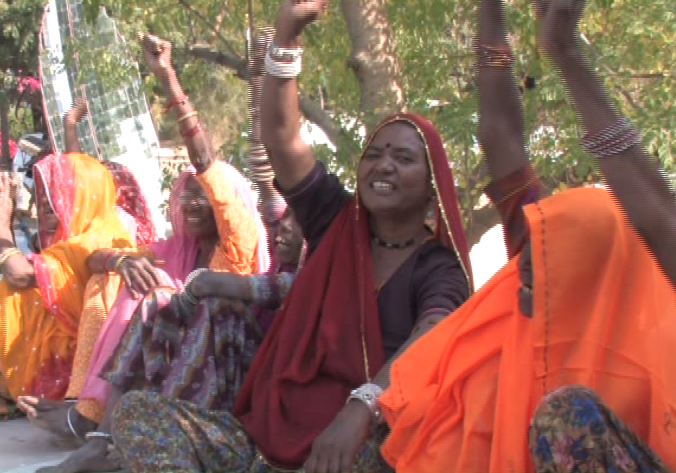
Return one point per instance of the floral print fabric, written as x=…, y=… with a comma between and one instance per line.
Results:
x=573, y=431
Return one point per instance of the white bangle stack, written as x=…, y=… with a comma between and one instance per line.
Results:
x=283, y=63
x=368, y=394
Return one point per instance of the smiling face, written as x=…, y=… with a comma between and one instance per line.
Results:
x=393, y=175
x=288, y=241
x=197, y=211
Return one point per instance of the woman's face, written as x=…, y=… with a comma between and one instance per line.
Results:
x=197, y=212
x=288, y=242
x=393, y=176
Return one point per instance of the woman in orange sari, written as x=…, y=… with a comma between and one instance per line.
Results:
x=42, y=296
x=573, y=337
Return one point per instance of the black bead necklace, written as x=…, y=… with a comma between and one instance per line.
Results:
x=392, y=246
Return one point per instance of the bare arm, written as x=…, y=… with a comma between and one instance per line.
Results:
x=70, y=121
x=16, y=270
x=501, y=120
x=633, y=175
x=157, y=55
x=292, y=158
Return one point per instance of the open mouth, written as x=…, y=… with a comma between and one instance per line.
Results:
x=193, y=220
x=282, y=242
x=382, y=187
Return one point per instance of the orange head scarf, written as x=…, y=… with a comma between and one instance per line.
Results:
x=461, y=398
x=82, y=193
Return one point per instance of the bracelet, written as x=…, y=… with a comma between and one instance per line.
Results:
x=368, y=394
x=7, y=254
x=192, y=131
x=494, y=56
x=280, y=54
x=175, y=102
x=612, y=140
x=187, y=290
x=186, y=116
x=283, y=70
x=118, y=263
x=98, y=435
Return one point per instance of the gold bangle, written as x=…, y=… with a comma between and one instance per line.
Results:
x=7, y=254
x=186, y=116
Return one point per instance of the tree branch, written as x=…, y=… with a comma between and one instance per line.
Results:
x=311, y=109
x=211, y=26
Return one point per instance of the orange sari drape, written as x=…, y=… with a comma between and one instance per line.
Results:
x=38, y=326
x=461, y=398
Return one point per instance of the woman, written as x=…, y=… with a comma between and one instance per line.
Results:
x=42, y=298
x=579, y=322
x=99, y=295
x=375, y=279
x=216, y=225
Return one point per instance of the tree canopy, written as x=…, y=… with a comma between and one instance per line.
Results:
x=368, y=57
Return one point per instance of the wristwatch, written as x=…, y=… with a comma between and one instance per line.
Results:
x=280, y=54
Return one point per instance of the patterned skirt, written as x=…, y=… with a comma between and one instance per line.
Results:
x=155, y=434
x=200, y=355
x=573, y=431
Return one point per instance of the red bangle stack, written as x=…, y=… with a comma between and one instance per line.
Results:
x=175, y=102
x=190, y=133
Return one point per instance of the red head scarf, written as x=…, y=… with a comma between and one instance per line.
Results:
x=324, y=341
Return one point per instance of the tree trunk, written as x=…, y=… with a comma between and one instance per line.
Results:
x=5, y=160
x=373, y=59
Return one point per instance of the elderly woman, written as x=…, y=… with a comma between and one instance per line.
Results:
x=574, y=336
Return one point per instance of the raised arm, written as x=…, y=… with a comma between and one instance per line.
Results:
x=501, y=121
x=157, y=55
x=292, y=159
x=635, y=178
x=501, y=126
x=70, y=121
x=16, y=270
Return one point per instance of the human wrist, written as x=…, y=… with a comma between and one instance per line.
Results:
x=367, y=395
x=285, y=38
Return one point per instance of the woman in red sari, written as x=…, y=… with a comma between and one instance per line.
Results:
x=376, y=279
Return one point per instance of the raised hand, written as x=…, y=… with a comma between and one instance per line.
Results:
x=558, y=24
x=77, y=111
x=156, y=54
x=295, y=15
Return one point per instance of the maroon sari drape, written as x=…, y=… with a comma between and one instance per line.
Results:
x=326, y=338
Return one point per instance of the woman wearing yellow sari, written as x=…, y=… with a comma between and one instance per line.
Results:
x=41, y=297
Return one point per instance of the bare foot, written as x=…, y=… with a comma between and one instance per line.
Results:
x=91, y=457
x=53, y=416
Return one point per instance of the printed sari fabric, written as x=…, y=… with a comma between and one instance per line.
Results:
x=38, y=326
x=199, y=354
x=237, y=217
x=574, y=431
x=461, y=398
